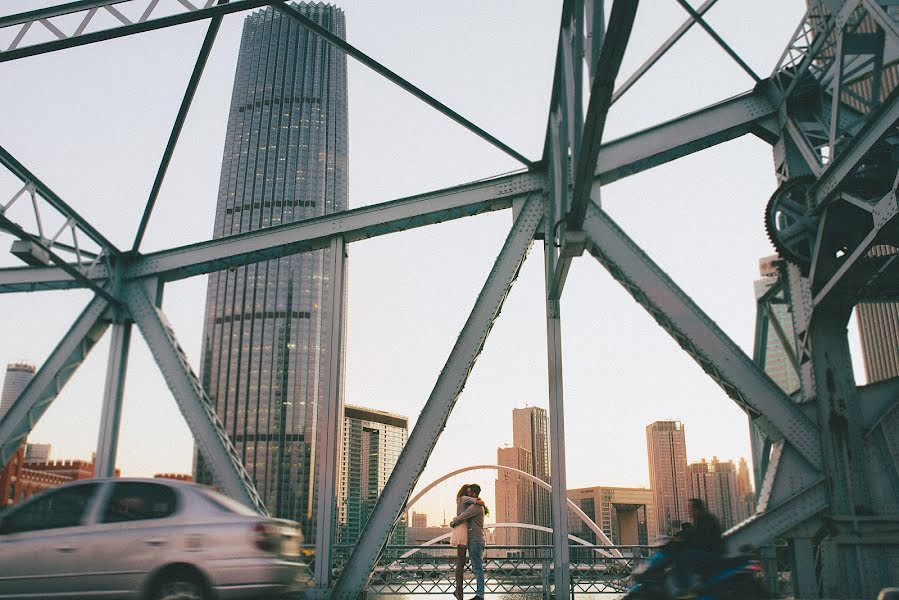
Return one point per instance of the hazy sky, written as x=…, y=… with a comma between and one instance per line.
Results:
x=92, y=122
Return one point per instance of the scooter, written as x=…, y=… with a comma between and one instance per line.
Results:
x=736, y=578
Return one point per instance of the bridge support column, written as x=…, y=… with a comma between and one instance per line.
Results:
x=436, y=411
x=805, y=582
x=330, y=420
x=108, y=438
x=843, y=453
x=556, y=429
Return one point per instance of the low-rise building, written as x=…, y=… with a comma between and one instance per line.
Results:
x=626, y=515
x=22, y=479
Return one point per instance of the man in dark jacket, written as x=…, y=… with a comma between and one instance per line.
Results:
x=474, y=514
x=702, y=543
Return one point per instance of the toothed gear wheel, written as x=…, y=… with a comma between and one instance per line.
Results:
x=790, y=226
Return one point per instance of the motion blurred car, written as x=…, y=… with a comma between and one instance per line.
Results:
x=151, y=539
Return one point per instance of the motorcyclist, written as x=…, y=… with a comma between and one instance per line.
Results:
x=700, y=544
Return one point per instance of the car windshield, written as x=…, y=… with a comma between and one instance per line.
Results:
x=227, y=504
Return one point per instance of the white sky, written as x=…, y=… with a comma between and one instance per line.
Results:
x=92, y=122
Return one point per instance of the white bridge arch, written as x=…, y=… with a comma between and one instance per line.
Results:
x=600, y=535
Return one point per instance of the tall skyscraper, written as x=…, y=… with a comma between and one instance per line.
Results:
x=746, y=506
x=777, y=364
x=514, y=497
x=715, y=483
x=266, y=327
x=666, y=445
x=530, y=430
x=18, y=376
x=37, y=452
x=372, y=443
x=878, y=327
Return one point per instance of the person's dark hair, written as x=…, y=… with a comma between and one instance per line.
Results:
x=697, y=504
x=686, y=525
x=463, y=491
x=475, y=490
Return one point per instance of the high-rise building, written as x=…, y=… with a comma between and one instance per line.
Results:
x=419, y=519
x=530, y=430
x=37, y=453
x=626, y=515
x=372, y=443
x=514, y=497
x=878, y=327
x=777, y=362
x=746, y=506
x=666, y=445
x=18, y=376
x=744, y=484
x=715, y=483
x=267, y=325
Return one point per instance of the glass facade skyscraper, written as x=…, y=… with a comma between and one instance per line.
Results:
x=372, y=443
x=266, y=327
x=530, y=430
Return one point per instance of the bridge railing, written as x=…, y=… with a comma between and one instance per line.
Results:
x=508, y=569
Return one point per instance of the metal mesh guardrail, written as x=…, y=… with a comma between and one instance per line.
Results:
x=507, y=569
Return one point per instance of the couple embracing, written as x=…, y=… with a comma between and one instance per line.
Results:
x=468, y=536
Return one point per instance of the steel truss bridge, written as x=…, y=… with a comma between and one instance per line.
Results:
x=829, y=108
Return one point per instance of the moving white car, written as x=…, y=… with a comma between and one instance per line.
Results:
x=148, y=539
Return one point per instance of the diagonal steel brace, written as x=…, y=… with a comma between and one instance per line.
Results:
x=198, y=410
x=436, y=411
x=48, y=382
x=700, y=337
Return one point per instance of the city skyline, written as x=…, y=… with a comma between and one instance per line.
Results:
x=644, y=210
x=408, y=384
x=268, y=327
x=358, y=419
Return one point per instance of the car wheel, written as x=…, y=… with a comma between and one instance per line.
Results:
x=179, y=587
